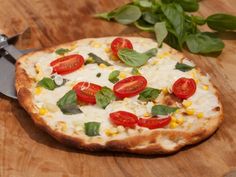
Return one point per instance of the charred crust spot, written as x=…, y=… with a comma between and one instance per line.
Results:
x=216, y=109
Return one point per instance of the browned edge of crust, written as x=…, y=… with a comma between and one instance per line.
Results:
x=134, y=144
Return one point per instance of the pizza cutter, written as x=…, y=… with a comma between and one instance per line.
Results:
x=8, y=56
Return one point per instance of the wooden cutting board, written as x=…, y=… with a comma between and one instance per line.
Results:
x=26, y=151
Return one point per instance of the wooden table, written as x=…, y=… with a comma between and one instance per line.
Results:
x=26, y=151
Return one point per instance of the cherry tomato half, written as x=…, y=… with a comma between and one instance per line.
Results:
x=184, y=88
x=130, y=86
x=120, y=43
x=123, y=118
x=153, y=123
x=67, y=64
x=86, y=91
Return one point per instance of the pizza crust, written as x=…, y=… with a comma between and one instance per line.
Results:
x=159, y=141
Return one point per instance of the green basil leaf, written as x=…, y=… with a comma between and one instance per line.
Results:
x=183, y=67
x=98, y=74
x=142, y=25
x=160, y=32
x=203, y=43
x=92, y=128
x=134, y=59
x=127, y=14
x=198, y=20
x=150, y=17
x=47, y=83
x=135, y=71
x=189, y=5
x=172, y=40
x=175, y=15
x=149, y=94
x=221, y=22
x=145, y=3
x=113, y=76
x=61, y=51
x=163, y=110
x=98, y=60
x=68, y=103
x=104, y=97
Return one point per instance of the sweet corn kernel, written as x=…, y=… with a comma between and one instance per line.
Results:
x=205, y=87
x=113, y=57
x=180, y=120
x=61, y=126
x=200, y=115
x=95, y=44
x=107, y=50
x=173, y=124
x=122, y=75
x=38, y=90
x=173, y=119
x=187, y=103
x=190, y=111
x=42, y=111
x=146, y=114
x=177, y=111
x=73, y=46
x=165, y=91
x=38, y=69
x=111, y=132
x=102, y=65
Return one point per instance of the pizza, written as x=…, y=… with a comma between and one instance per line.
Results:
x=118, y=94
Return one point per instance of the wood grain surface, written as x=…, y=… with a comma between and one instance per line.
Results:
x=26, y=151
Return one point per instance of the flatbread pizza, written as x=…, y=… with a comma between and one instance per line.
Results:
x=118, y=94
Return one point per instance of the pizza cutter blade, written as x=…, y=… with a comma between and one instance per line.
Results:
x=8, y=56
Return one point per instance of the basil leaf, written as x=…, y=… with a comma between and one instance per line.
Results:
x=142, y=25
x=47, y=83
x=61, y=51
x=145, y=3
x=135, y=59
x=68, y=103
x=163, y=110
x=203, y=43
x=150, y=17
x=221, y=22
x=92, y=128
x=98, y=74
x=189, y=5
x=175, y=15
x=198, y=20
x=98, y=60
x=183, y=67
x=149, y=94
x=113, y=76
x=135, y=71
x=127, y=14
x=104, y=97
x=161, y=32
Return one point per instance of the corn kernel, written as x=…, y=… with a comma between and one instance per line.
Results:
x=38, y=69
x=102, y=65
x=190, y=111
x=107, y=50
x=73, y=46
x=205, y=87
x=111, y=132
x=42, y=111
x=187, y=103
x=173, y=124
x=61, y=126
x=113, y=57
x=177, y=111
x=200, y=115
x=38, y=90
x=122, y=75
x=180, y=120
x=173, y=119
x=165, y=91
x=146, y=114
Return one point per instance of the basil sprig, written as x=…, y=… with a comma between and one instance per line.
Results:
x=173, y=24
x=163, y=110
x=135, y=59
x=98, y=60
x=113, y=76
x=149, y=94
x=47, y=83
x=68, y=103
x=62, y=51
x=104, y=97
x=92, y=128
x=135, y=71
x=183, y=67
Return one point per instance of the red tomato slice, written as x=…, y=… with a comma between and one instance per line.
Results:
x=120, y=43
x=124, y=118
x=67, y=64
x=184, y=88
x=130, y=86
x=86, y=91
x=153, y=123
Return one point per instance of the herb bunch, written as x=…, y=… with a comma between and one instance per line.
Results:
x=173, y=23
